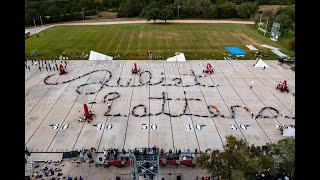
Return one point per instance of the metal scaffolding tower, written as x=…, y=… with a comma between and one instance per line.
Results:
x=146, y=163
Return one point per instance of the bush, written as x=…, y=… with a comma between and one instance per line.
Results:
x=90, y=12
x=247, y=9
x=227, y=10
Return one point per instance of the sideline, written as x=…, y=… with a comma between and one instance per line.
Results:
x=39, y=28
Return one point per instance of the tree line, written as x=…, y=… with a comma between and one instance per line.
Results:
x=53, y=11
x=238, y=160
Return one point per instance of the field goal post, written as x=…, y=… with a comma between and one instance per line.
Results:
x=260, y=28
x=275, y=31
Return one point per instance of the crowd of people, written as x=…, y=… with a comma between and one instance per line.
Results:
x=48, y=65
x=113, y=154
x=120, y=56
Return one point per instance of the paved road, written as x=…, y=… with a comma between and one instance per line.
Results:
x=38, y=29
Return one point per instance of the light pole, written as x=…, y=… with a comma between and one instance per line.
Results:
x=35, y=26
x=34, y=22
x=82, y=14
x=178, y=10
x=41, y=24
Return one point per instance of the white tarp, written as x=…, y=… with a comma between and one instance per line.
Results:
x=251, y=47
x=260, y=63
x=267, y=46
x=277, y=52
x=179, y=58
x=98, y=56
x=289, y=131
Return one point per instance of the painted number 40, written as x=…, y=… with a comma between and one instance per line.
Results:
x=106, y=126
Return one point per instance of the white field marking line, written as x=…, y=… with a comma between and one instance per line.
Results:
x=181, y=31
x=140, y=35
x=206, y=42
x=112, y=39
x=148, y=36
x=130, y=38
x=66, y=40
x=239, y=39
x=164, y=27
x=141, y=22
x=104, y=39
x=125, y=32
x=214, y=44
x=71, y=42
x=253, y=43
x=95, y=38
x=158, y=37
x=175, y=38
x=194, y=39
x=83, y=39
x=220, y=43
x=48, y=36
x=233, y=42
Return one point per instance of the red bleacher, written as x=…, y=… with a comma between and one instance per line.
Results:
x=186, y=162
x=115, y=163
x=171, y=162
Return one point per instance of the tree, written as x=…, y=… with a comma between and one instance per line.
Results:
x=236, y=160
x=285, y=21
x=153, y=13
x=130, y=8
x=285, y=150
x=167, y=14
x=247, y=9
x=54, y=10
x=256, y=19
x=210, y=11
x=227, y=10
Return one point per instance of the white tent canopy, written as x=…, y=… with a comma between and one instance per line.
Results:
x=251, y=47
x=260, y=63
x=279, y=53
x=180, y=57
x=95, y=56
x=267, y=46
x=289, y=131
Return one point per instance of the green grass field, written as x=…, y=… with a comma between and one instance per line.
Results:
x=195, y=40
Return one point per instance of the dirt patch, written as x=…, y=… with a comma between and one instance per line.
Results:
x=103, y=15
x=168, y=35
x=247, y=40
x=265, y=8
